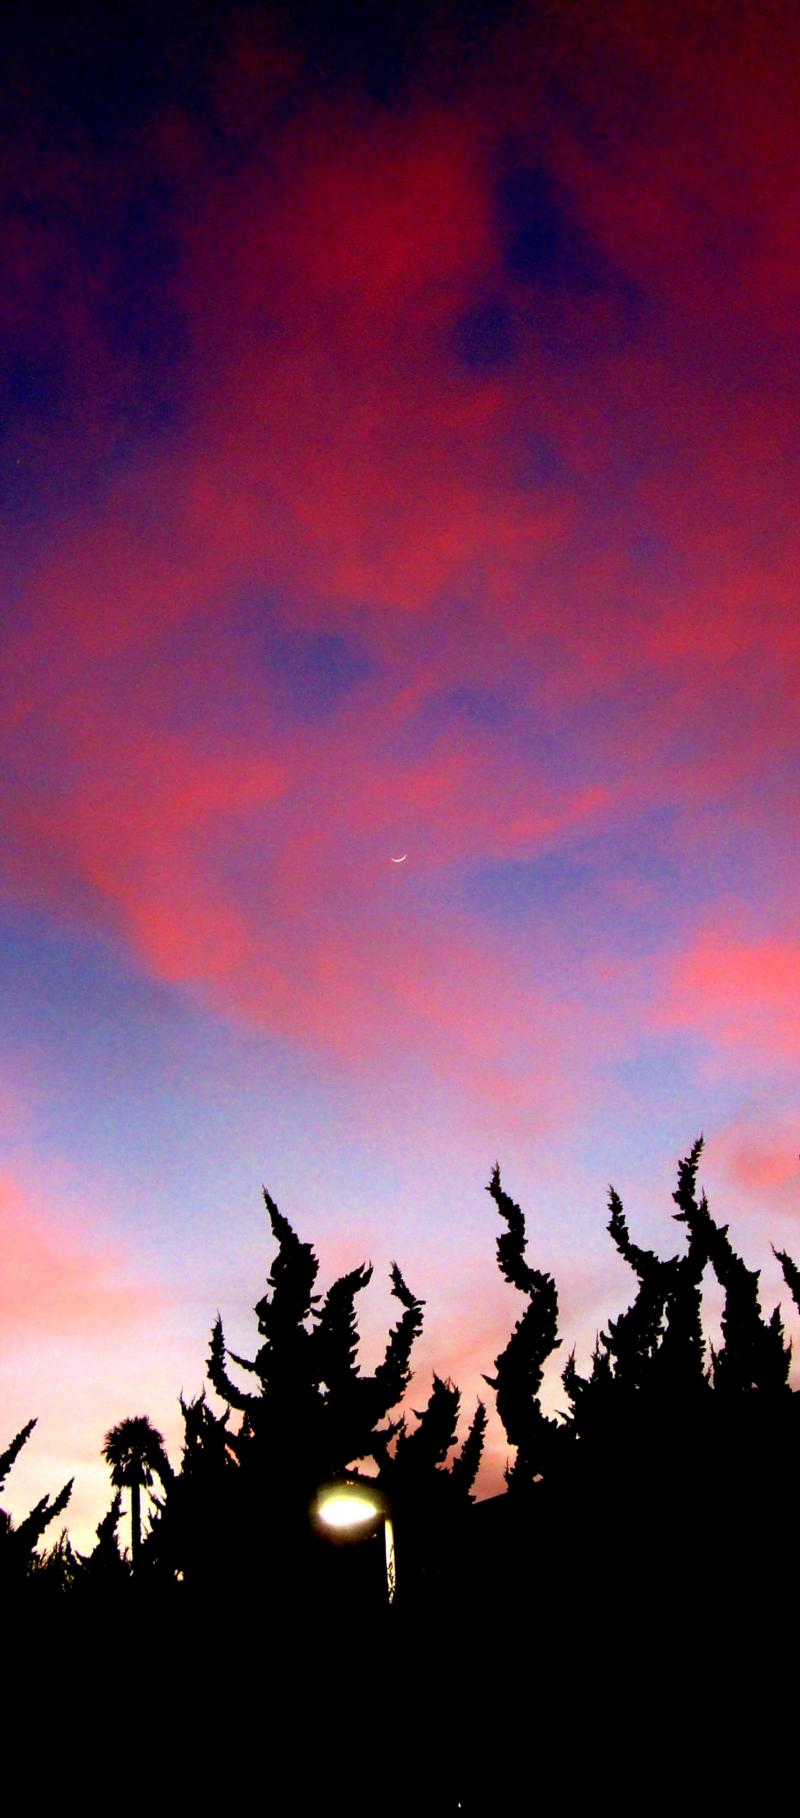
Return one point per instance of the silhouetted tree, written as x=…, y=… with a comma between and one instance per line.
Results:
x=18, y=1541
x=307, y=1417
x=537, y=1439
x=791, y=1274
x=753, y=1354
x=196, y=1522
x=310, y=1409
x=653, y=1432
x=55, y=1572
x=429, y=1497
x=135, y=1452
x=642, y=1408
x=105, y=1572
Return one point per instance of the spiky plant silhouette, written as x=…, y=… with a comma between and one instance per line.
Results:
x=18, y=1541
x=307, y=1416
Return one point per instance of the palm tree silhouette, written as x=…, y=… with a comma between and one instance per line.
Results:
x=134, y=1450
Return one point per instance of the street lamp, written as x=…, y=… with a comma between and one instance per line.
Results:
x=354, y=1509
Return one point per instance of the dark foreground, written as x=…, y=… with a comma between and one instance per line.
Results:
x=607, y=1672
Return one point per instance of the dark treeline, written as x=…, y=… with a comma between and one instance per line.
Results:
x=651, y=1523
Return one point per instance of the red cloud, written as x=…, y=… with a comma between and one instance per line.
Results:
x=392, y=221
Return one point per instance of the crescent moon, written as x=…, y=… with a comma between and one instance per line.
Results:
x=400, y=861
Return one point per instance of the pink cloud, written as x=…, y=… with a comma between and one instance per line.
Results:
x=765, y=1164
x=737, y=992
x=335, y=452
x=57, y=1279
x=758, y=1151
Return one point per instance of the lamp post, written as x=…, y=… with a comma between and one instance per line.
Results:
x=353, y=1508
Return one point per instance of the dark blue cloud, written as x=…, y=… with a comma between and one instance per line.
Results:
x=512, y=889
x=314, y=671
x=100, y=71
x=539, y=462
x=318, y=671
x=484, y=336
x=584, y=301
x=471, y=705
x=541, y=239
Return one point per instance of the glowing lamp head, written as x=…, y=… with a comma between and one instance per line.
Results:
x=347, y=1508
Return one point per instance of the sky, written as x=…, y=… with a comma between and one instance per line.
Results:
x=399, y=458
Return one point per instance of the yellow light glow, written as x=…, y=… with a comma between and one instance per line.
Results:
x=347, y=1509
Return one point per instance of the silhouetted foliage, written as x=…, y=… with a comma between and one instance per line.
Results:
x=18, y=1541
x=642, y=1406
x=135, y=1452
x=105, y=1572
x=464, y=1469
x=753, y=1354
x=791, y=1275
x=654, y=1430
x=429, y=1497
x=660, y=1428
x=307, y=1417
x=195, y=1521
x=519, y=1367
x=12, y=1452
x=55, y=1572
x=310, y=1407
